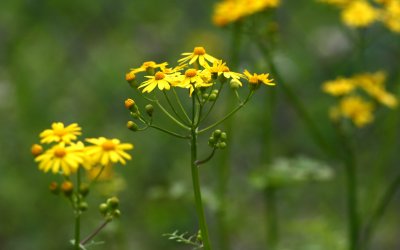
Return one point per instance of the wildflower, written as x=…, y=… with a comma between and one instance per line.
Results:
x=219, y=68
x=67, y=188
x=130, y=76
x=338, y=87
x=106, y=151
x=61, y=158
x=148, y=66
x=36, y=149
x=129, y=103
x=391, y=15
x=359, y=14
x=160, y=80
x=256, y=79
x=356, y=109
x=199, y=54
x=59, y=133
x=101, y=173
x=194, y=79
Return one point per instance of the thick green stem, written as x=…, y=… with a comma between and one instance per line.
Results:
x=77, y=212
x=271, y=217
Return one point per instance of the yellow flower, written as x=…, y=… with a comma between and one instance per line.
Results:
x=61, y=158
x=160, y=80
x=256, y=79
x=359, y=13
x=106, y=151
x=219, y=68
x=198, y=55
x=101, y=173
x=59, y=133
x=356, y=109
x=194, y=79
x=148, y=66
x=338, y=87
x=391, y=15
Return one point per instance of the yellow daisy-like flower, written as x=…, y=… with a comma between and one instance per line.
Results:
x=338, y=87
x=391, y=15
x=256, y=79
x=106, y=151
x=61, y=158
x=198, y=55
x=148, y=66
x=356, y=109
x=60, y=133
x=160, y=80
x=194, y=79
x=359, y=13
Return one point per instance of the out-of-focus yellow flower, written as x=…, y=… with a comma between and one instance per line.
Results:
x=62, y=158
x=198, y=55
x=356, y=109
x=60, y=133
x=391, y=15
x=148, y=66
x=338, y=87
x=229, y=11
x=101, y=173
x=359, y=13
x=107, y=151
x=339, y=3
x=160, y=80
x=256, y=79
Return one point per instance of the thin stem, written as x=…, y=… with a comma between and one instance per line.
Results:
x=196, y=182
x=171, y=116
x=213, y=103
x=380, y=210
x=351, y=192
x=77, y=212
x=199, y=162
x=169, y=132
x=271, y=217
x=172, y=107
x=95, y=232
x=229, y=114
x=178, y=100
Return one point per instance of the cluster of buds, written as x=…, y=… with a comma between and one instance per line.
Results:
x=217, y=139
x=212, y=97
x=109, y=209
x=68, y=190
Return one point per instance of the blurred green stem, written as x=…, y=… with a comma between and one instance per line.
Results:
x=77, y=212
x=95, y=232
x=272, y=217
x=195, y=179
x=351, y=188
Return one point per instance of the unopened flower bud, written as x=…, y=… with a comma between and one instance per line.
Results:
x=54, y=188
x=215, y=91
x=130, y=77
x=113, y=203
x=149, y=109
x=130, y=105
x=83, y=206
x=36, y=149
x=67, y=188
x=212, y=97
x=235, y=84
x=103, y=208
x=132, y=126
x=117, y=213
x=84, y=189
x=223, y=136
x=222, y=145
x=217, y=133
x=205, y=96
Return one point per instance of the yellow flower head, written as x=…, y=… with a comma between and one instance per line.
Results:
x=106, y=151
x=356, y=109
x=160, y=80
x=359, y=13
x=148, y=66
x=219, y=68
x=36, y=149
x=62, y=158
x=338, y=87
x=198, y=55
x=194, y=79
x=256, y=79
x=391, y=15
x=59, y=133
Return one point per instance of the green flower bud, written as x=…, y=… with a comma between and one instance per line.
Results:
x=205, y=96
x=135, y=115
x=222, y=145
x=223, y=136
x=83, y=206
x=103, y=208
x=217, y=133
x=235, y=84
x=215, y=91
x=84, y=189
x=113, y=203
x=132, y=126
x=117, y=213
x=149, y=109
x=212, y=97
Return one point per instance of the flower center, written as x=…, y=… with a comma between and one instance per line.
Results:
x=253, y=79
x=130, y=76
x=108, y=145
x=225, y=69
x=59, y=132
x=60, y=152
x=199, y=51
x=159, y=76
x=190, y=73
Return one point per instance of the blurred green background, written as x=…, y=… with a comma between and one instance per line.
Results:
x=66, y=61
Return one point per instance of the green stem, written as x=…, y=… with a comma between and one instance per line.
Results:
x=213, y=104
x=199, y=162
x=271, y=217
x=171, y=116
x=196, y=182
x=169, y=132
x=77, y=212
x=180, y=105
x=172, y=107
x=379, y=211
x=95, y=232
x=351, y=189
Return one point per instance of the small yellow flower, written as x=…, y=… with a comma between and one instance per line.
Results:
x=106, y=151
x=61, y=158
x=160, y=80
x=256, y=79
x=194, y=79
x=36, y=149
x=391, y=15
x=148, y=66
x=338, y=87
x=59, y=133
x=356, y=109
x=130, y=76
x=198, y=55
x=359, y=13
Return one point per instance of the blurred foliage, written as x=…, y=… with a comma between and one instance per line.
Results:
x=66, y=61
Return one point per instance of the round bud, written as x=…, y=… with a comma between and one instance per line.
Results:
x=54, y=188
x=132, y=126
x=129, y=104
x=149, y=109
x=135, y=115
x=235, y=84
x=223, y=136
x=117, y=213
x=215, y=91
x=205, y=96
x=103, y=208
x=130, y=77
x=113, y=203
x=67, y=188
x=83, y=206
x=222, y=145
x=217, y=133
x=212, y=97
x=36, y=149
x=84, y=189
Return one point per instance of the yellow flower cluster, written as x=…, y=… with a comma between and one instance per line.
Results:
x=65, y=154
x=229, y=11
x=362, y=13
x=352, y=103
x=196, y=70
